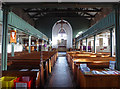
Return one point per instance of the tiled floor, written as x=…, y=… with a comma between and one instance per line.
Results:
x=61, y=76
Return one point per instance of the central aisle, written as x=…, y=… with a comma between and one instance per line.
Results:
x=61, y=75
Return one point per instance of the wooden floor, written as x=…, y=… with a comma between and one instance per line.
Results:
x=61, y=76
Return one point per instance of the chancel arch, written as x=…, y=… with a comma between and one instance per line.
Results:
x=62, y=34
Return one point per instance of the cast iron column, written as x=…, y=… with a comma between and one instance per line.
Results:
x=29, y=44
x=94, y=43
x=12, y=49
x=111, y=42
x=37, y=45
x=4, y=37
x=117, y=34
x=81, y=44
x=86, y=45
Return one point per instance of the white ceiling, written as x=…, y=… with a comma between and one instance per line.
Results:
x=60, y=0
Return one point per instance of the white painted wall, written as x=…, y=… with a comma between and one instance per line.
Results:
x=0, y=34
x=84, y=42
x=105, y=44
x=79, y=45
x=114, y=42
x=0, y=57
x=55, y=31
x=0, y=37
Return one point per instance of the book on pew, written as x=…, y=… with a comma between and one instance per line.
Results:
x=112, y=65
x=110, y=72
x=24, y=70
x=35, y=70
x=97, y=72
x=106, y=72
x=84, y=68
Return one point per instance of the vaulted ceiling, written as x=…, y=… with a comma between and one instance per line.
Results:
x=87, y=13
x=77, y=16
x=47, y=13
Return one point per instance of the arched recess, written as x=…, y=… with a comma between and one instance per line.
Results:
x=55, y=31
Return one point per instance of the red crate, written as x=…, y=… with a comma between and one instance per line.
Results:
x=23, y=82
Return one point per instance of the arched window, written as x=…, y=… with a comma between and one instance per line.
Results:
x=62, y=34
x=62, y=31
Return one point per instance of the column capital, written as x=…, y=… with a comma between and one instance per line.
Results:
x=5, y=7
x=29, y=36
x=116, y=5
x=111, y=29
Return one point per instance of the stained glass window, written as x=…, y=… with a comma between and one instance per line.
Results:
x=62, y=31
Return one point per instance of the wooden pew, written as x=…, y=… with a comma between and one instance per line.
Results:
x=28, y=64
x=32, y=60
x=92, y=64
x=94, y=60
x=86, y=56
x=98, y=81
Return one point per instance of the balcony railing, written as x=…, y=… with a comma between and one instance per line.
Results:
x=104, y=24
